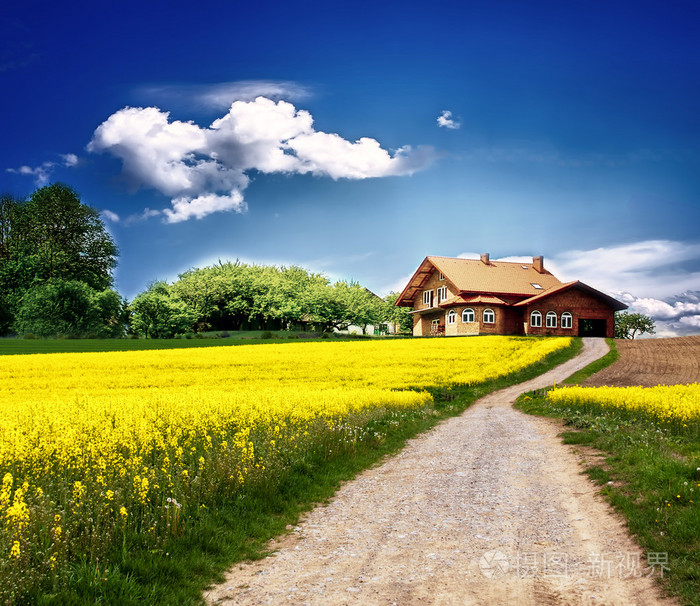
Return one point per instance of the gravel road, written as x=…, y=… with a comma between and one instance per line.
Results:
x=486, y=508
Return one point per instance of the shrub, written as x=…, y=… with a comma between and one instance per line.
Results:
x=266, y=335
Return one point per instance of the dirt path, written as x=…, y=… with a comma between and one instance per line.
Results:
x=650, y=362
x=487, y=508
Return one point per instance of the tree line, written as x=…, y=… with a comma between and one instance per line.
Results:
x=56, y=264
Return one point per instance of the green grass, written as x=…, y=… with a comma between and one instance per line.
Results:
x=581, y=375
x=239, y=529
x=13, y=346
x=651, y=476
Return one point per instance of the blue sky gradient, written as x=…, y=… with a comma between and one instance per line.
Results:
x=572, y=133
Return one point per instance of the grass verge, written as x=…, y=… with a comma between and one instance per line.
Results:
x=651, y=476
x=598, y=365
x=239, y=529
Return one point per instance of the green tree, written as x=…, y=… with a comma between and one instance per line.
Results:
x=69, y=308
x=158, y=313
x=63, y=238
x=627, y=325
x=399, y=316
x=50, y=236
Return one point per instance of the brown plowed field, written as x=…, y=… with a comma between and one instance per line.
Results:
x=650, y=362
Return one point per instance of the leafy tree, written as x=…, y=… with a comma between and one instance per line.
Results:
x=57, y=236
x=69, y=308
x=51, y=236
x=398, y=315
x=627, y=325
x=158, y=313
x=230, y=295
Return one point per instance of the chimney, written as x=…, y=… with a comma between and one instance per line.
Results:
x=485, y=258
x=538, y=264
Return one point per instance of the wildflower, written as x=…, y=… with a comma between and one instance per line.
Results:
x=15, y=551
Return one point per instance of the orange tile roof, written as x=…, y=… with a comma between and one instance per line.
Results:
x=473, y=299
x=498, y=277
x=475, y=276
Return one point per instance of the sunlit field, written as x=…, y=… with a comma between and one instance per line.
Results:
x=101, y=453
x=674, y=406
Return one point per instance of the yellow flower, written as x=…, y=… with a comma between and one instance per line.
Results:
x=14, y=551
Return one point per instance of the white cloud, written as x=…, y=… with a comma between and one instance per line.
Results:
x=651, y=268
x=220, y=96
x=201, y=206
x=144, y=215
x=692, y=321
x=204, y=170
x=110, y=216
x=69, y=160
x=445, y=120
x=42, y=173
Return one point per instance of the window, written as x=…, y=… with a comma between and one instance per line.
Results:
x=428, y=298
x=567, y=320
x=451, y=316
x=488, y=316
x=441, y=276
x=441, y=294
x=536, y=285
x=468, y=315
x=551, y=319
x=536, y=319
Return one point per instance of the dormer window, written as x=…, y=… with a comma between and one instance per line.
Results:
x=536, y=285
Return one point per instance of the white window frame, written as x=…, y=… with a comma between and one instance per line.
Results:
x=428, y=298
x=492, y=314
x=550, y=320
x=567, y=320
x=441, y=276
x=536, y=319
x=441, y=294
x=451, y=316
x=469, y=311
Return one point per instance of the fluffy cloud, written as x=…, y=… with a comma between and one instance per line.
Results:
x=652, y=268
x=445, y=120
x=205, y=170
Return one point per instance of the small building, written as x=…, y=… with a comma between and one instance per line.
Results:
x=452, y=296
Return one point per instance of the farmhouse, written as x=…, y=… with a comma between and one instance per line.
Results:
x=451, y=296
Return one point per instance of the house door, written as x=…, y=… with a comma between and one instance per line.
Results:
x=592, y=328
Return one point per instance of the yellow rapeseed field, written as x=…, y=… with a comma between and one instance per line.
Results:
x=674, y=405
x=95, y=446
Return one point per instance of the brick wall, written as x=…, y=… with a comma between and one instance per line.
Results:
x=507, y=321
x=579, y=304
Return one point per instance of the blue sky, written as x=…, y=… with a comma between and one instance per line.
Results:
x=355, y=140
